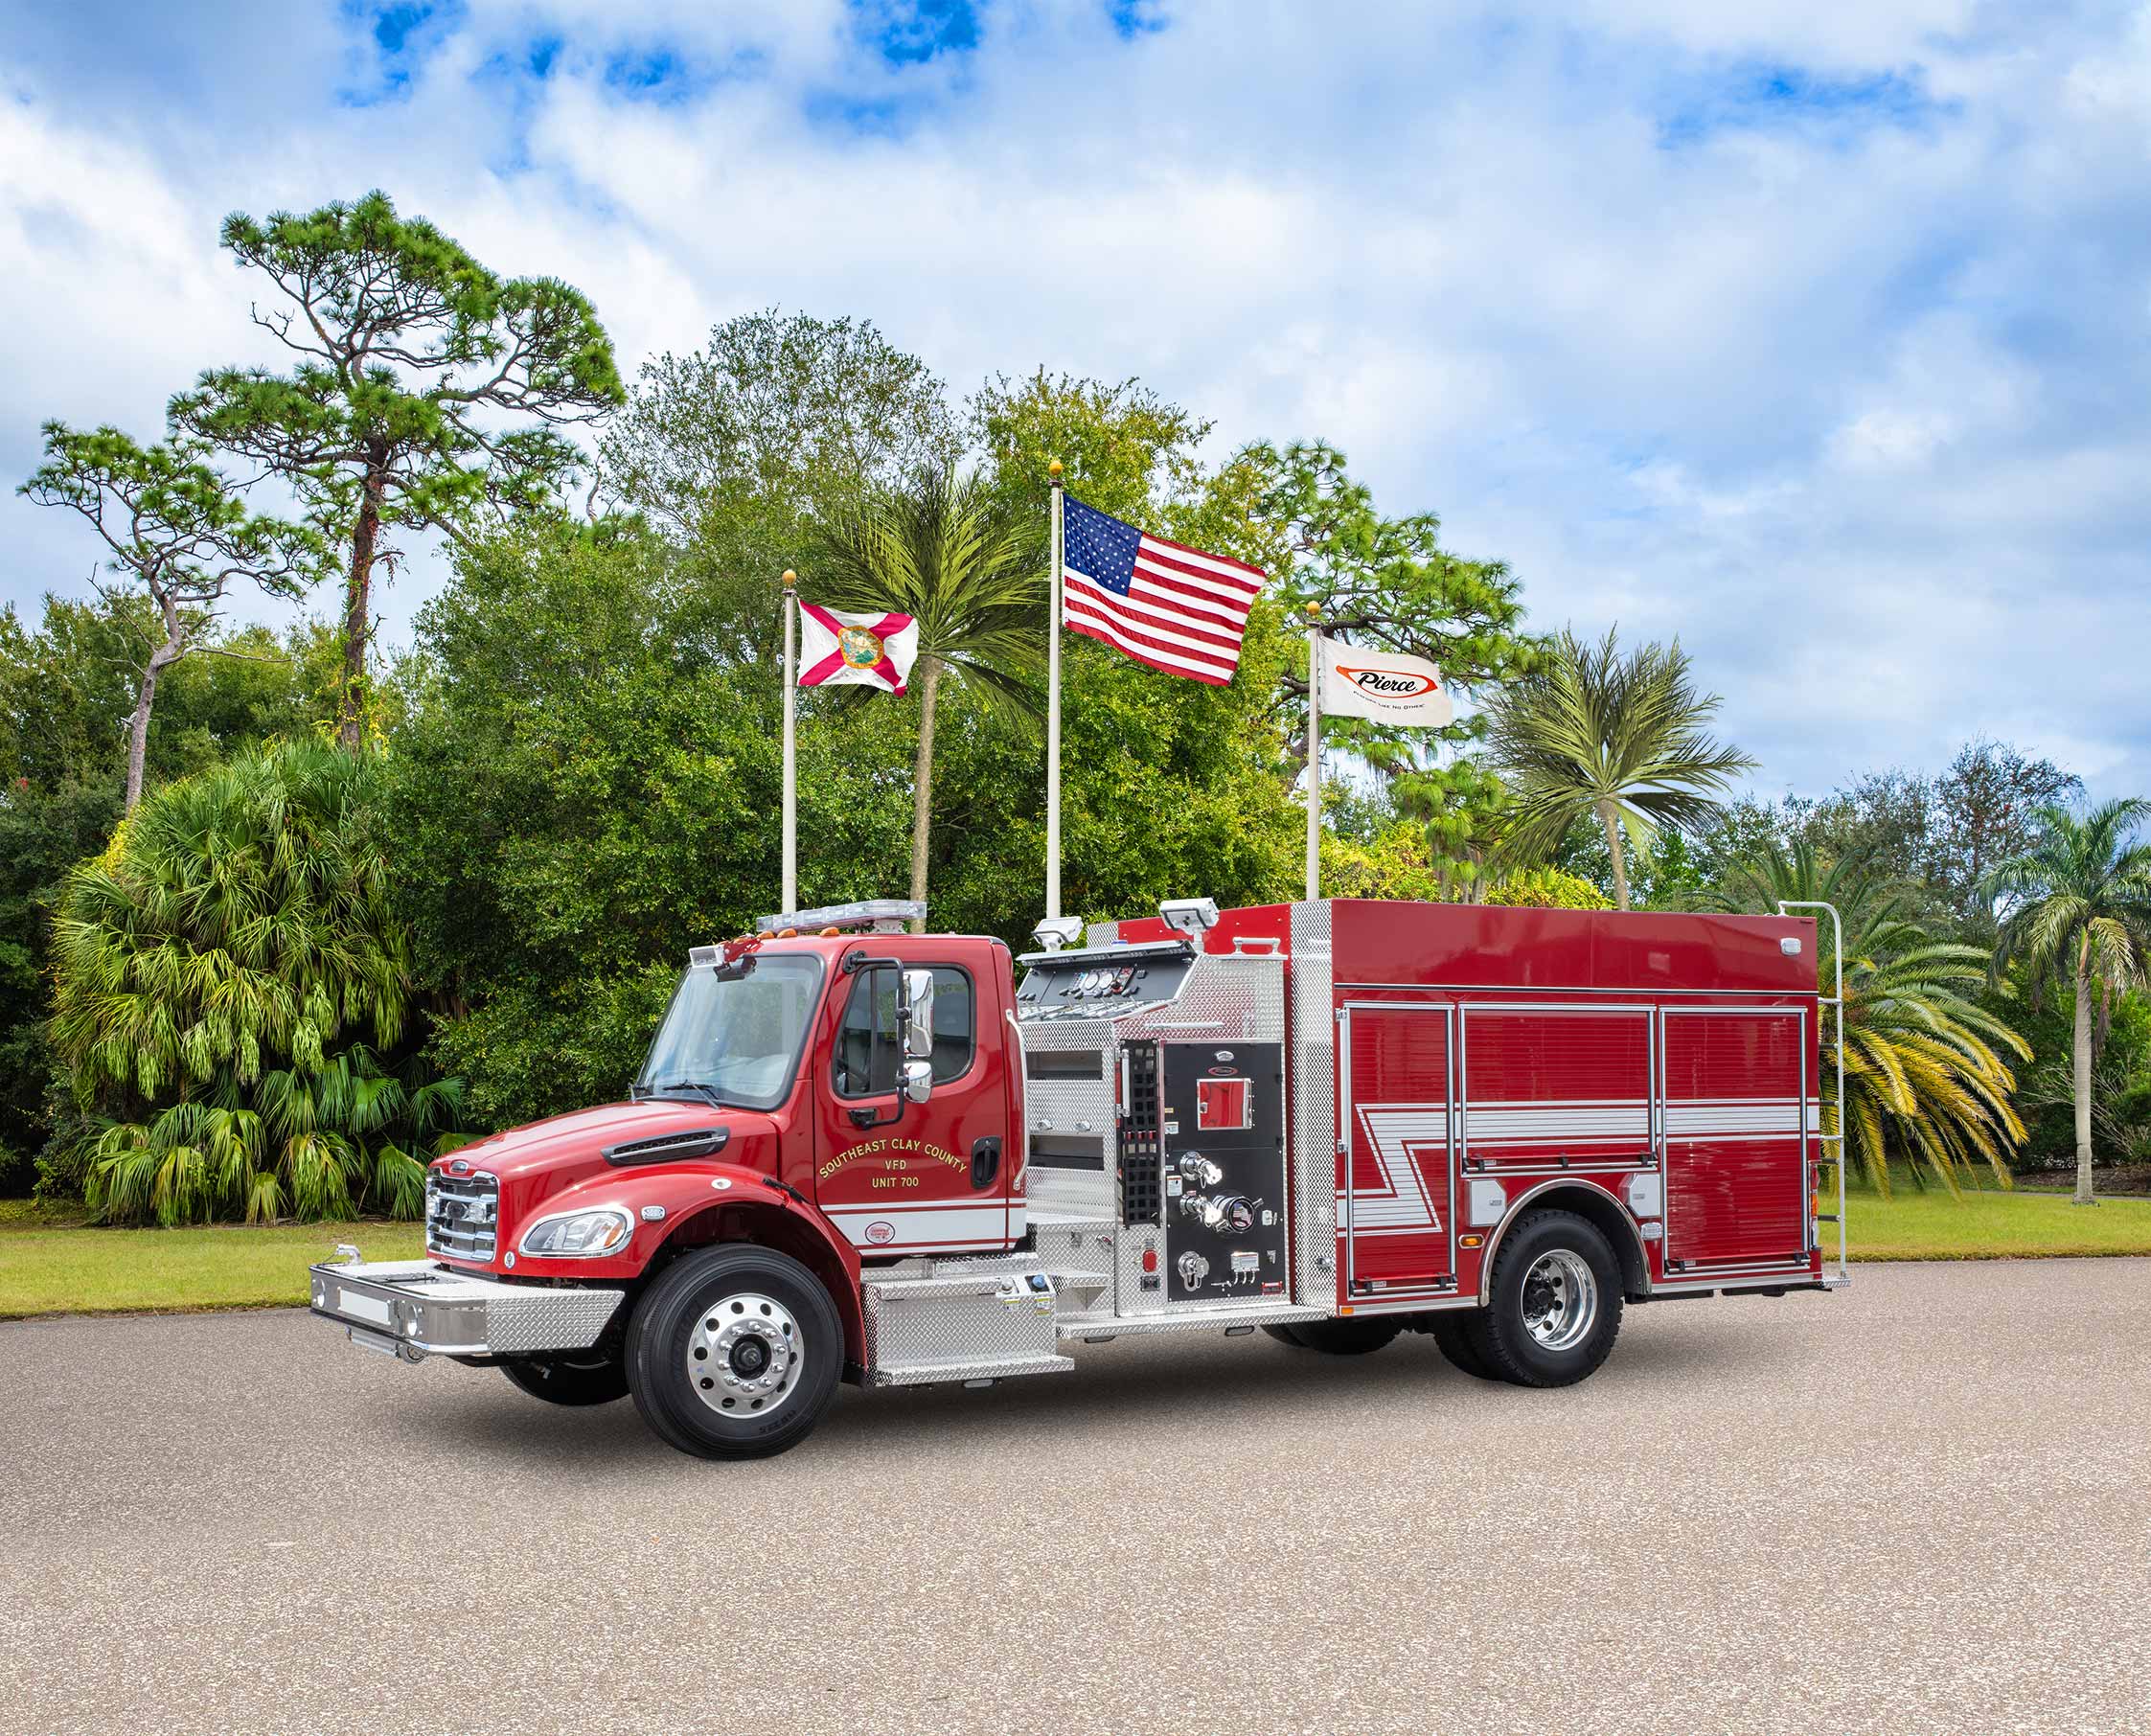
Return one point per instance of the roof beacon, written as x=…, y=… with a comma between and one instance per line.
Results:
x=880, y=915
x=1057, y=931
x=1189, y=915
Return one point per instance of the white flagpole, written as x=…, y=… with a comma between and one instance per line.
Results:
x=789, y=902
x=1314, y=751
x=1053, y=710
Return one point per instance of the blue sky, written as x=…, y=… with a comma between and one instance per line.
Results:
x=1817, y=335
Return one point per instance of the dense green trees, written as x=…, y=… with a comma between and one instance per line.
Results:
x=66, y=696
x=232, y=992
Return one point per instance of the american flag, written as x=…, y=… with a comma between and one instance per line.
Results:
x=1164, y=604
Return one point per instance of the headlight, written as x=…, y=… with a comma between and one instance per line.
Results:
x=579, y=1235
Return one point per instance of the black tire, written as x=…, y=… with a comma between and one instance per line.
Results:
x=569, y=1377
x=1286, y=1334
x=763, y=1340
x=1561, y=1350
x=1452, y=1332
x=1348, y=1336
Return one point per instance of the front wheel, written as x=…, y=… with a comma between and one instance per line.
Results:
x=734, y=1352
x=1553, y=1304
x=567, y=1378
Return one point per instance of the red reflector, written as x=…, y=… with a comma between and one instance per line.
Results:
x=1150, y=1259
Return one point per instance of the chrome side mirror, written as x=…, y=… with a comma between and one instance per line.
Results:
x=915, y=1002
x=918, y=1081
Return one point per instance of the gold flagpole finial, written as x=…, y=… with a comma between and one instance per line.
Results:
x=1313, y=611
x=1053, y=468
x=790, y=578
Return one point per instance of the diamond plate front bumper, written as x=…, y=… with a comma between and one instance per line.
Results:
x=415, y=1309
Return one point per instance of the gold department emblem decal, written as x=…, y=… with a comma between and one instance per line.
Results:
x=859, y=647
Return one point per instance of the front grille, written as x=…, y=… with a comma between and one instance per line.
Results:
x=462, y=1215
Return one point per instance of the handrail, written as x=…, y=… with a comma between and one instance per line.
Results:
x=1836, y=1003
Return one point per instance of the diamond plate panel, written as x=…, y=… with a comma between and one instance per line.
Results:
x=1312, y=1109
x=549, y=1319
x=959, y=1319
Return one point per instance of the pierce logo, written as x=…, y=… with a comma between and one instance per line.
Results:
x=880, y=1230
x=459, y=1168
x=1389, y=683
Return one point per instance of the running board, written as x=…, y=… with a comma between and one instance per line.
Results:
x=1099, y=1328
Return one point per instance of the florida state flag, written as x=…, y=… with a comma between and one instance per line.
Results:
x=837, y=647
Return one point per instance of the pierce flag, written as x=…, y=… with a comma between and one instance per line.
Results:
x=1385, y=687
x=839, y=648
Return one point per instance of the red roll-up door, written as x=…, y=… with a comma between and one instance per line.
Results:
x=1734, y=1111
x=1395, y=1175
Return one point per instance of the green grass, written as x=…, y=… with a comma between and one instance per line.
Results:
x=1987, y=1224
x=51, y=1265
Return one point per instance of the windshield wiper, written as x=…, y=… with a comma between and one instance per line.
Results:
x=708, y=1091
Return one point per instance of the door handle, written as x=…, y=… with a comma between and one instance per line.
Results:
x=985, y=1161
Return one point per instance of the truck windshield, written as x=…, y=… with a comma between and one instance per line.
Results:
x=735, y=1038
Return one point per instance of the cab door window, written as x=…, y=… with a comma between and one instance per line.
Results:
x=868, y=1059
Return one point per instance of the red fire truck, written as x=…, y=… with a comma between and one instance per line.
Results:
x=860, y=1153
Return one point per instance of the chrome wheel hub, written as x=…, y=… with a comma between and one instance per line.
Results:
x=745, y=1355
x=1560, y=1299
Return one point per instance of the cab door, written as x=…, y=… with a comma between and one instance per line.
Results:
x=900, y=1177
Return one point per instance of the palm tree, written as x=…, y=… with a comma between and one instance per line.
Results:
x=2079, y=908
x=944, y=551
x=215, y=974
x=1923, y=1074
x=1622, y=738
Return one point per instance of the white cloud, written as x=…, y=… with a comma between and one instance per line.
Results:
x=1815, y=334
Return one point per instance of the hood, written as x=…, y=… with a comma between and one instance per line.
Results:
x=574, y=1141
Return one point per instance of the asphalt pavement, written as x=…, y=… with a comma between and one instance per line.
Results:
x=1921, y=1505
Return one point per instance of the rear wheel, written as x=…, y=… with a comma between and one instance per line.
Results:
x=570, y=1377
x=1554, y=1302
x=1452, y=1332
x=1286, y=1334
x=734, y=1352
x=1348, y=1336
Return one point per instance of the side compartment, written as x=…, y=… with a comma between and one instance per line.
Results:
x=1735, y=1091
x=1396, y=1161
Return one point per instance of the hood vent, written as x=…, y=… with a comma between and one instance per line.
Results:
x=669, y=1148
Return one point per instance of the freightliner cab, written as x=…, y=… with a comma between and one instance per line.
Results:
x=856, y=1154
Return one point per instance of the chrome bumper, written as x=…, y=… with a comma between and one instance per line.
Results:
x=414, y=1309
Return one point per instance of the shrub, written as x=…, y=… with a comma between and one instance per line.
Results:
x=233, y=1002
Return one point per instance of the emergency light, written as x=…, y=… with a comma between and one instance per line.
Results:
x=878, y=914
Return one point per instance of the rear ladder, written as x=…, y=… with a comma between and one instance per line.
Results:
x=1836, y=1003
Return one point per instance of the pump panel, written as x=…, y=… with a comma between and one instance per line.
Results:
x=1222, y=1126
